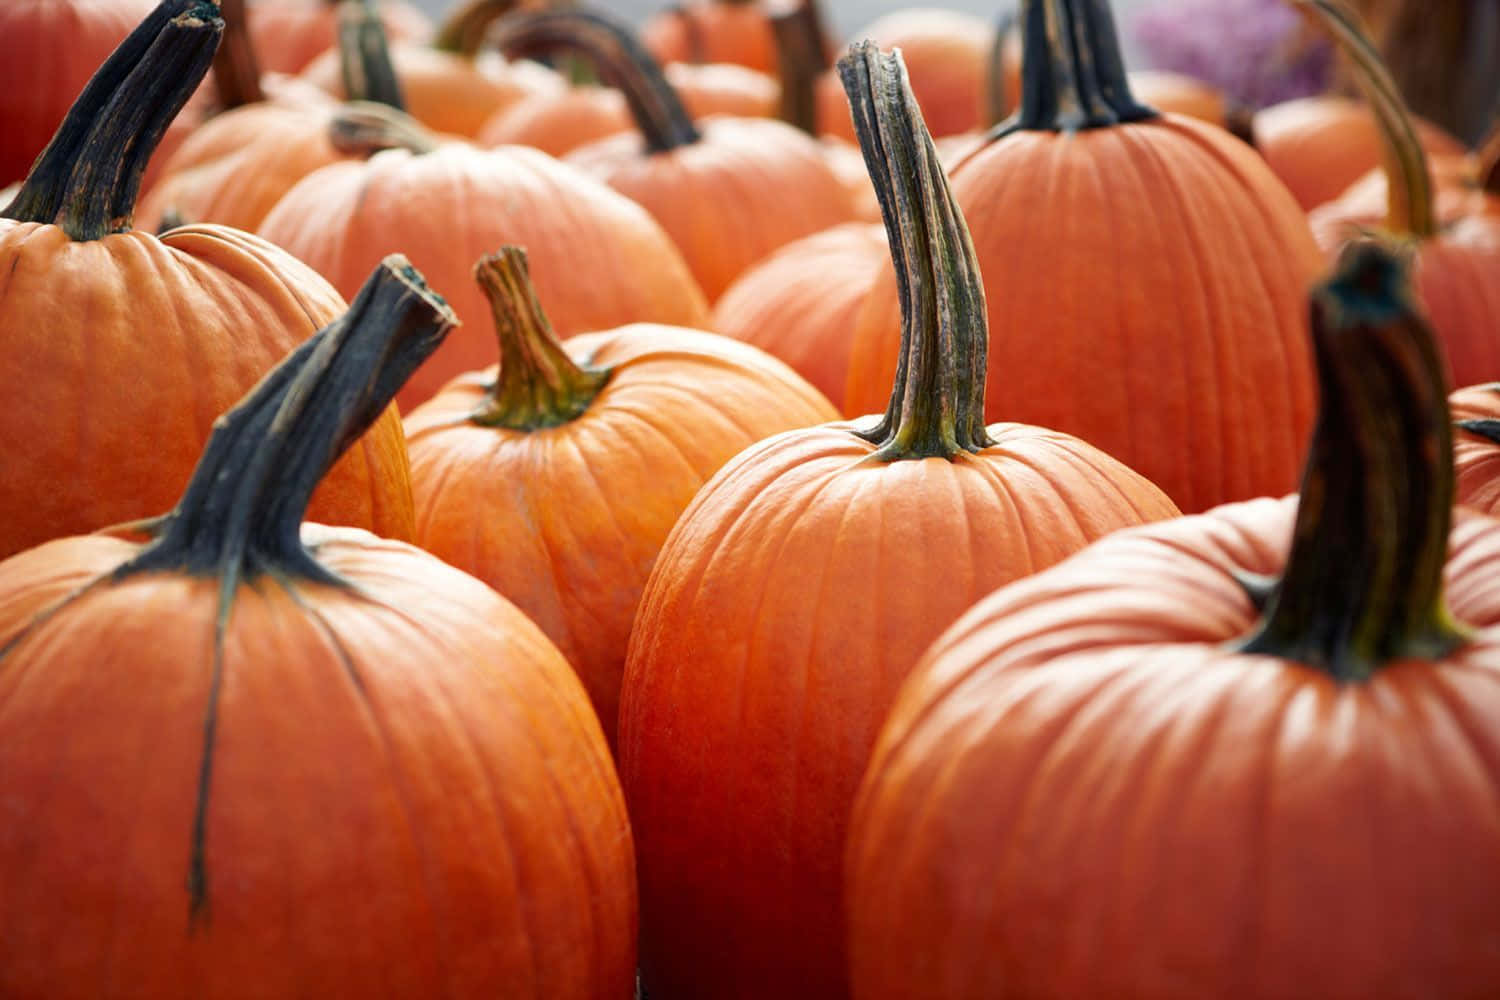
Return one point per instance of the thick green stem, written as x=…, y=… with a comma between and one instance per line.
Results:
x=937, y=404
x=801, y=58
x=236, y=73
x=620, y=60
x=87, y=179
x=364, y=128
x=1072, y=73
x=1363, y=581
x=539, y=385
x=1409, y=203
x=463, y=31
x=365, y=56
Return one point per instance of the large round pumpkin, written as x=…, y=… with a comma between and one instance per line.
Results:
x=243, y=763
x=1145, y=277
x=121, y=348
x=625, y=424
x=799, y=587
x=1120, y=779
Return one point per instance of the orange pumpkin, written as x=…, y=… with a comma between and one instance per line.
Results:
x=800, y=303
x=332, y=764
x=727, y=190
x=800, y=586
x=48, y=51
x=1145, y=276
x=1476, y=446
x=289, y=34
x=122, y=348
x=600, y=257
x=712, y=31
x=1457, y=253
x=1120, y=779
x=626, y=424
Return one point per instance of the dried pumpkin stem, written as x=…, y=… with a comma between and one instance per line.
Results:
x=87, y=179
x=236, y=73
x=619, y=59
x=801, y=58
x=1363, y=581
x=463, y=31
x=364, y=128
x=1409, y=203
x=538, y=385
x=937, y=404
x=365, y=56
x=1072, y=74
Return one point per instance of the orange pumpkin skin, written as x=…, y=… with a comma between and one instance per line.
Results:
x=48, y=51
x=707, y=32
x=1476, y=457
x=746, y=188
x=1180, y=94
x=599, y=258
x=1140, y=812
x=1214, y=271
x=801, y=302
x=678, y=405
x=290, y=34
x=409, y=794
x=1319, y=146
x=786, y=607
x=124, y=350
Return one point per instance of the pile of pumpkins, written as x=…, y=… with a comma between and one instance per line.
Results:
x=876, y=566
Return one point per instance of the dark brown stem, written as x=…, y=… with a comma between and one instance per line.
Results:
x=364, y=128
x=236, y=73
x=937, y=404
x=539, y=385
x=1363, y=581
x=365, y=56
x=463, y=31
x=997, y=98
x=801, y=58
x=87, y=179
x=620, y=60
x=1488, y=159
x=1409, y=202
x=1072, y=74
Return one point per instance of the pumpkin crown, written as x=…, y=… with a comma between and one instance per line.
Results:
x=619, y=59
x=936, y=407
x=87, y=179
x=1409, y=201
x=1363, y=581
x=538, y=384
x=1072, y=73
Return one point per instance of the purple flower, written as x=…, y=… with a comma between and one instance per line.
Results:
x=1258, y=52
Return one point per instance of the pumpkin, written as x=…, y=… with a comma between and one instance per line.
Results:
x=1476, y=457
x=801, y=584
x=122, y=348
x=626, y=423
x=712, y=31
x=727, y=190
x=1091, y=787
x=1145, y=275
x=327, y=763
x=290, y=34
x=48, y=51
x=451, y=85
x=601, y=258
x=800, y=303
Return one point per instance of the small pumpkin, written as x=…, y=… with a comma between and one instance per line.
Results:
x=626, y=423
x=712, y=31
x=1268, y=772
x=298, y=760
x=799, y=587
x=290, y=34
x=122, y=348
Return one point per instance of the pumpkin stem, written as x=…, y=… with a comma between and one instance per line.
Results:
x=1487, y=158
x=1409, y=206
x=801, y=57
x=1072, y=73
x=538, y=385
x=463, y=31
x=997, y=98
x=937, y=404
x=242, y=511
x=236, y=73
x=1363, y=581
x=87, y=179
x=364, y=128
x=365, y=56
x=617, y=56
